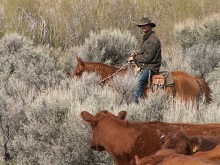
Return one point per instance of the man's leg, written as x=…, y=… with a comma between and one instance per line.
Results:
x=142, y=81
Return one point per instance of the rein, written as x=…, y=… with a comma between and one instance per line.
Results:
x=115, y=72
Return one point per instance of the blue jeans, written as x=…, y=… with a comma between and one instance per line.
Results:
x=142, y=82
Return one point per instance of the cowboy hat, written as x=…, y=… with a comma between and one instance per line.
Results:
x=145, y=21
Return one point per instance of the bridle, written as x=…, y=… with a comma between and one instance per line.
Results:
x=103, y=80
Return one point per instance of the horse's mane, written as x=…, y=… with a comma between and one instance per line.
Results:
x=102, y=69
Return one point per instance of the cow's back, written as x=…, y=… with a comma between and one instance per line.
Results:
x=188, y=129
x=210, y=155
x=187, y=160
x=167, y=157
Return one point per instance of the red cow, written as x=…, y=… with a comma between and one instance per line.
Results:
x=123, y=140
x=204, y=143
x=183, y=144
x=165, y=157
x=187, y=128
x=210, y=155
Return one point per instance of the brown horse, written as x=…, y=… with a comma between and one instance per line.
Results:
x=185, y=86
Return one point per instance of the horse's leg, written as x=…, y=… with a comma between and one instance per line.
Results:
x=170, y=91
x=186, y=87
x=146, y=92
x=205, y=89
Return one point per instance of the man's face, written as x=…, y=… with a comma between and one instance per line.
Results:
x=145, y=28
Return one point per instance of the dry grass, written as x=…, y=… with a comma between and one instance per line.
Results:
x=66, y=23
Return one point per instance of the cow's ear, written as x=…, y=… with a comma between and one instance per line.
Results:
x=89, y=118
x=80, y=61
x=122, y=115
x=162, y=136
x=137, y=160
x=194, y=143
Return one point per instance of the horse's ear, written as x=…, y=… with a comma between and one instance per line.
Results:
x=80, y=61
x=122, y=115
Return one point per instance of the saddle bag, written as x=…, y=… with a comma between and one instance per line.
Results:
x=158, y=80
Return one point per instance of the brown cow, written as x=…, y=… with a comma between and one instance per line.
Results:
x=209, y=155
x=187, y=128
x=204, y=143
x=123, y=140
x=183, y=144
x=169, y=157
x=154, y=159
x=178, y=142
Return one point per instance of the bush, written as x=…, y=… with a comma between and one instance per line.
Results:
x=36, y=66
x=176, y=61
x=194, y=32
x=25, y=71
x=214, y=81
x=200, y=39
x=187, y=37
x=210, y=29
x=108, y=46
x=54, y=132
x=208, y=55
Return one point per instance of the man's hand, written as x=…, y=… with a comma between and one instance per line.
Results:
x=131, y=58
x=133, y=54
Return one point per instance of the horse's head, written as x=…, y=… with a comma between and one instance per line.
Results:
x=80, y=68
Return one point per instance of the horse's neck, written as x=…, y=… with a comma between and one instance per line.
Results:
x=100, y=69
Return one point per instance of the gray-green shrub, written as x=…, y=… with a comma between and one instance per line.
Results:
x=203, y=58
x=108, y=46
x=193, y=32
x=36, y=66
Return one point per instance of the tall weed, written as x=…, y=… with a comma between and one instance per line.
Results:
x=66, y=23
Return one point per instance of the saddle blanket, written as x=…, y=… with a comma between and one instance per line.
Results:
x=169, y=80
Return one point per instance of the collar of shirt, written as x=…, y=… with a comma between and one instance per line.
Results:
x=146, y=35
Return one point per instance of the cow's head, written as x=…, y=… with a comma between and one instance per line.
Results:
x=97, y=138
x=204, y=143
x=179, y=142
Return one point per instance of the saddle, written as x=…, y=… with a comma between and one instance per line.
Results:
x=162, y=79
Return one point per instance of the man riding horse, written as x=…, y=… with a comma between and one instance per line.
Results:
x=148, y=58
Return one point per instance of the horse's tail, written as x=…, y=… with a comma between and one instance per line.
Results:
x=205, y=89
